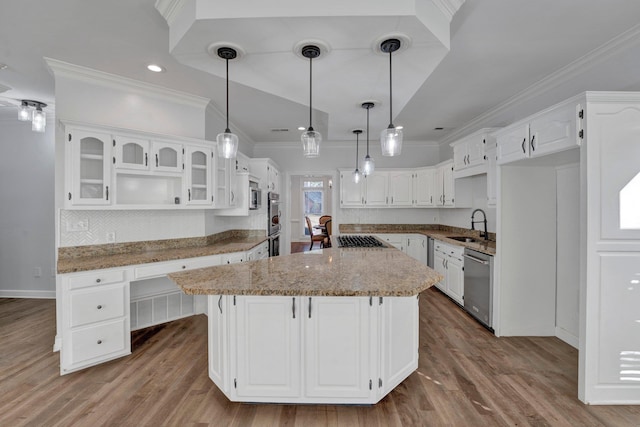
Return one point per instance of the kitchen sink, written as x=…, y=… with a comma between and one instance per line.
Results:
x=465, y=239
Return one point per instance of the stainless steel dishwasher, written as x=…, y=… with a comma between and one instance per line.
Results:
x=478, y=286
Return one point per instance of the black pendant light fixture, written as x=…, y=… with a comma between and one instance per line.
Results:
x=227, y=141
x=369, y=165
x=310, y=138
x=391, y=137
x=356, y=173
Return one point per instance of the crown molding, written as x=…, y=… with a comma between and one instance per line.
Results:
x=341, y=144
x=448, y=7
x=169, y=9
x=581, y=65
x=89, y=75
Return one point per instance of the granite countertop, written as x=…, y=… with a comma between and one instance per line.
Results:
x=440, y=232
x=97, y=257
x=324, y=272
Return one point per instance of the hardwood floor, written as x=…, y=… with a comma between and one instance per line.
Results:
x=466, y=377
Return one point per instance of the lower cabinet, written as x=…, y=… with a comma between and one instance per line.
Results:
x=300, y=349
x=449, y=262
x=414, y=245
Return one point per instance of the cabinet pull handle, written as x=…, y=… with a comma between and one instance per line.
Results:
x=98, y=280
x=184, y=266
x=523, y=141
x=146, y=159
x=99, y=307
x=99, y=342
x=156, y=159
x=533, y=147
x=107, y=192
x=189, y=191
x=309, y=307
x=220, y=304
x=233, y=196
x=430, y=199
x=293, y=307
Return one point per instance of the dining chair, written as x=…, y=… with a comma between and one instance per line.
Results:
x=314, y=237
x=323, y=219
x=326, y=243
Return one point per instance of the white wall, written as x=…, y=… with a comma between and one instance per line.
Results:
x=27, y=216
x=568, y=254
x=461, y=217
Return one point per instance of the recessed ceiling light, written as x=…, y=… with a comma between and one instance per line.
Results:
x=155, y=68
x=302, y=128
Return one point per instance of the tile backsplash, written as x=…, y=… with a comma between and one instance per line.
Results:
x=79, y=228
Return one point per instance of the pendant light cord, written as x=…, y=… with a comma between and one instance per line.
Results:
x=357, y=143
x=368, y=107
x=227, y=130
x=310, y=90
x=390, y=93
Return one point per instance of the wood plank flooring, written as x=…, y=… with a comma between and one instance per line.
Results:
x=466, y=377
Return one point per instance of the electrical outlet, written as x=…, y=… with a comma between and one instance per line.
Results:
x=111, y=237
x=80, y=225
x=37, y=272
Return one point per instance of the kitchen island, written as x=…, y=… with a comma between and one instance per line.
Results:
x=335, y=325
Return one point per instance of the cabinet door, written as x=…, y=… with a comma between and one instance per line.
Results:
x=448, y=187
x=268, y=346
x=455, y=279
x=438, y=187
x=198, y=166
x=513, y=145
x=417, y=248
x=554, y=131
x=439, y=265
x=460, y=152
x=234, y=199
x=401, y=188
x=273, y=177
x=337, y=338
x=377, y=189
x=425, y=188
x=167, y=157
x=351, y=194
x=475, y=151
x=222, y=184
x=131, y=153
x=89, y=154
x=218, y=340
x=492, y=178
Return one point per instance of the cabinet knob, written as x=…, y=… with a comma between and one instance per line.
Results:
x=98, y=280
x=99, y=342
x=99, y=307
x=184, y=266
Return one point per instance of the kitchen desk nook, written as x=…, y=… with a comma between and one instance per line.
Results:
x=335, y=325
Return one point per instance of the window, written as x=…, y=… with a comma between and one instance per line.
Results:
x=313, y=200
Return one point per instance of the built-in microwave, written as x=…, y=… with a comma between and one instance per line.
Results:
x=255, y=195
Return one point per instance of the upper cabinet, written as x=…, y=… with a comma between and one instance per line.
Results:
x=88, y=171
x=401, y=192
x=119, y=169
x=469, y=157
x=268, y=173
x=425, y=187
x=548, y=132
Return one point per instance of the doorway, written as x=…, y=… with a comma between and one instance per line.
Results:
x=312, y=196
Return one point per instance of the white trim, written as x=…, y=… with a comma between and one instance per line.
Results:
x=78, y=72
x=169, y=9
x=340, y=144
x=580, y=66
x=567, y=337
x=20, y=293
x=448, y=7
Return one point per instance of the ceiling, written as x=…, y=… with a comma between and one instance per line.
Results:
x=507, y=59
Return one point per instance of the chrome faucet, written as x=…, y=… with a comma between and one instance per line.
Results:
x=486, y=234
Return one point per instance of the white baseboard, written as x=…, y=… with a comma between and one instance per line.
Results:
x=18, y=293
x=567, y=337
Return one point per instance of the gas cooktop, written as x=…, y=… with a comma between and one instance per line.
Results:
x=359, y=242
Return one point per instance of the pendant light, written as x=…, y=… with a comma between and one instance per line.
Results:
x=356, y=173
x=311, y=139
x=227, y=141
x=369, y=165
x=391, y=137
x=37, y=116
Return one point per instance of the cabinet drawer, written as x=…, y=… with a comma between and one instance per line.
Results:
x=164, y=268
x=97, y=304
x=95, y=278
x=101, y=341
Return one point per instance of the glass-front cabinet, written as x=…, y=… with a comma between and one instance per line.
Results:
x=167, y=157
x=198, y=175
x=89, y=176
x=131, y=153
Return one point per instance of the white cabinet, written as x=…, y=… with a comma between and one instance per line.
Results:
x=492, y=176
x=259, y=252
x=225, y=196
x=198, y=167
x=267, y=170
x=167, y=157
x=376, y=189
x=401, y=188
x=131, y=153
x=337, y=334
x=94, y=318
x=351, y=194
x=268, y=346
x=302, y=349
x=548, y=132
x=469, y=153
x=416, y=247
x=88, y=171
x=398, y=241
x=425, y=188
x=449, y=262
